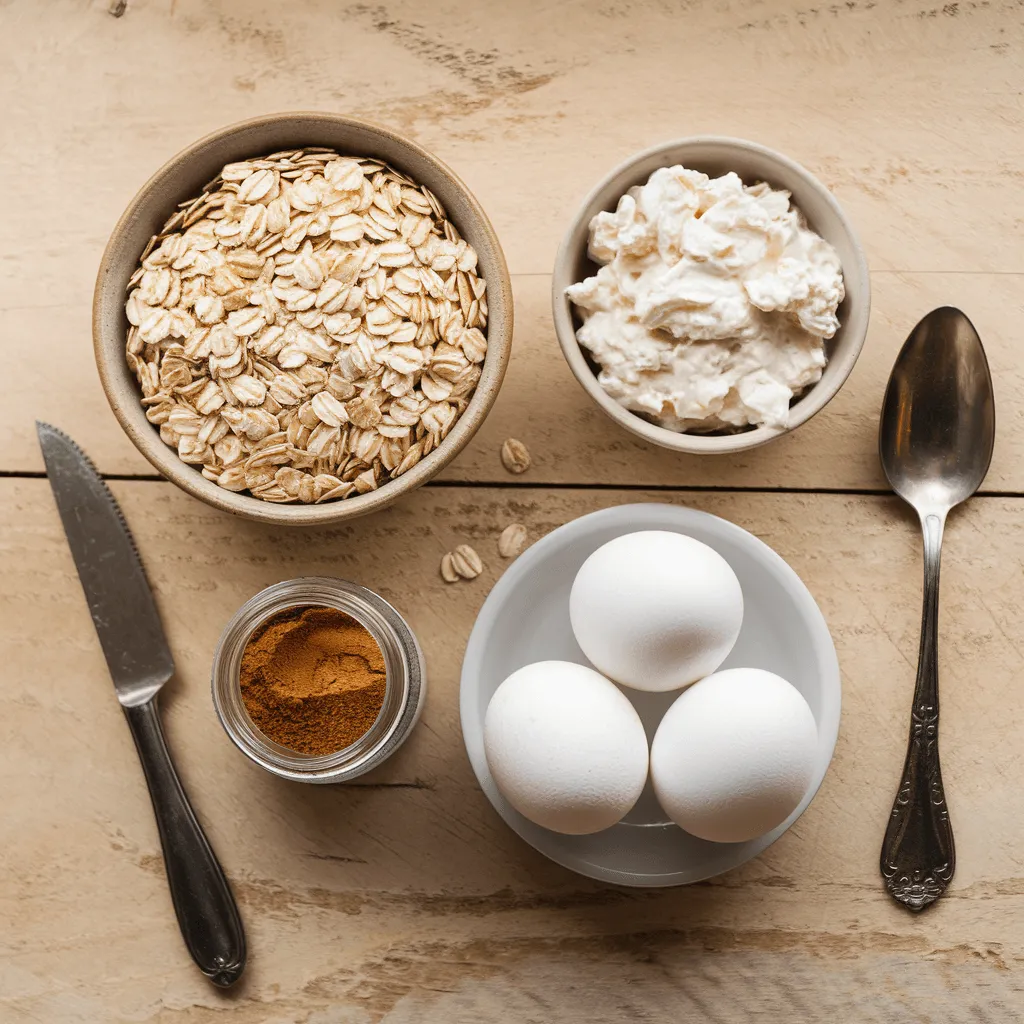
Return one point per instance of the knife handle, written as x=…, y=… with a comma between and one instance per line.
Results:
x=206, y=910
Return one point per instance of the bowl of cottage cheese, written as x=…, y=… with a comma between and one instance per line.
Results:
x=711, y=295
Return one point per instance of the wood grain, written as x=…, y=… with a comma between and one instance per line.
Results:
x=907, y=109
x=404, y=897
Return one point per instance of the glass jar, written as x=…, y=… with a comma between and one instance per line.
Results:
x=404, y=687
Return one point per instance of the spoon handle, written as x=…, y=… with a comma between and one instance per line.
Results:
x=918, y=857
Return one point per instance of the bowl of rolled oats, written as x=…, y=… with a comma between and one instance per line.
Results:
x=302, y=317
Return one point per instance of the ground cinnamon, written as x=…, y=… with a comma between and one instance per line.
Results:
x=312, y=679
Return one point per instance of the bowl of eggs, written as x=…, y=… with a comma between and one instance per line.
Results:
x=650, y=696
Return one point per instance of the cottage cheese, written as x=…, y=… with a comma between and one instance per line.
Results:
x=713, y=302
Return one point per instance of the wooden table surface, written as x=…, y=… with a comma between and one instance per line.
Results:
x=404, y=897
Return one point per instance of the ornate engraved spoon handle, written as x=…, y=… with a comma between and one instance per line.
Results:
x=918, y=857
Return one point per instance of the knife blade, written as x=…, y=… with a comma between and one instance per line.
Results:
x=132, y=637
x=116, y=589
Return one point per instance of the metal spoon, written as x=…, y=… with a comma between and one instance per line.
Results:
x=935, y=442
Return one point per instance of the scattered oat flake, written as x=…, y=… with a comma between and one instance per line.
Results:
x=448, y=571
x=512, y=540
x=464, y=562
x=515, y=456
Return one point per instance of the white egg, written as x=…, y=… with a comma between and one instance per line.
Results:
x=734, y=755
x=656, y=610
x=565, y=747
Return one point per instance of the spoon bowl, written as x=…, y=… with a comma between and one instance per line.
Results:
x=938, y=417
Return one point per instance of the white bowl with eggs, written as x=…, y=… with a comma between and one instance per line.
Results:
x=526, y=620
x=753, y=163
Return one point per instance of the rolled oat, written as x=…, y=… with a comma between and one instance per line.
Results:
x=515, y=456
x=308, y=328
x=512, y=540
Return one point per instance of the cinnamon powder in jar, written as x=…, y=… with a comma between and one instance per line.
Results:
x=312, y=679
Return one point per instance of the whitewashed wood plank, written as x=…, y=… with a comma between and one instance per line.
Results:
x=531, y=105
x=406, y=898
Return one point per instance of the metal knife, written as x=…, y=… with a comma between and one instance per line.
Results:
x=132, y=637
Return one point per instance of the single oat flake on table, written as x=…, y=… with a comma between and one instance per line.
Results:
x=512, y=540
x=515, y=456
x=308, y=328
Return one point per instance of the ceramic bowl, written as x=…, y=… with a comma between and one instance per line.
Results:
x=753, y=163
x=526, y=619
x=183, y=177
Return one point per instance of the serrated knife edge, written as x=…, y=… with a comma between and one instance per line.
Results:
x=118, y=593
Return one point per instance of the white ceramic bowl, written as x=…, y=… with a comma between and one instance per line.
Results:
x=753, y=163
x=526, y=618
